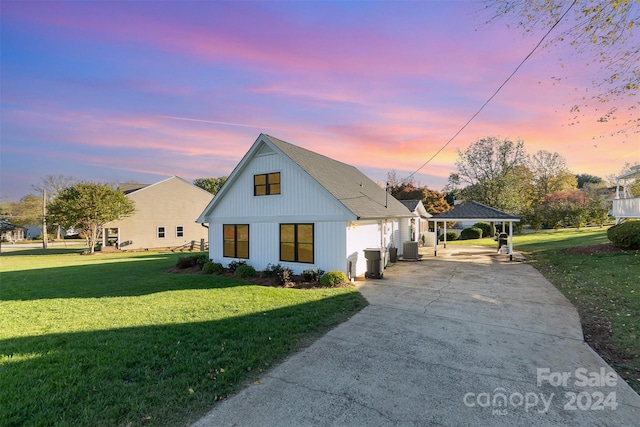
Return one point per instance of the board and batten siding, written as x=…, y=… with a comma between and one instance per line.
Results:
x=301, y=201
x=300, y=196
x=264, y=246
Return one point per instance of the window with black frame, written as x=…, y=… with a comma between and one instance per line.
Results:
x=296, y=242
x=235, y=240
x=266, y=184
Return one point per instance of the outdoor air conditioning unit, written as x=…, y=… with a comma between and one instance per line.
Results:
x=410, y=250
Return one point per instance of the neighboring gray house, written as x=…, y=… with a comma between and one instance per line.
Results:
x=283, y=204
x=165, y=216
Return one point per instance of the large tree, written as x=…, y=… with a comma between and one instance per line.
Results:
x=434, y=201
x=490, y=167
x=551, y=173
x=212, y=185
x=27, y=211
x=605, y=34
x=87, y=206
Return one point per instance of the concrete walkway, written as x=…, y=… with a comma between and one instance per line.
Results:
x=467, y=338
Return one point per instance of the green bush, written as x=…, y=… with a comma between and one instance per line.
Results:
x=245, y=270
x=485, y=227
x=273, y=270
x=313, y=274
x=333, y=278
x=470, y=233
x=185, y=262
x=625, y=234
x=451, y=236
x=234, y=265
x=192, y=260
x=201, y=259
x=212, y=267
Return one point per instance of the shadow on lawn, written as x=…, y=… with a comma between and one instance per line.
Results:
x=134, y=276
x=153, y=375
x=51, y=251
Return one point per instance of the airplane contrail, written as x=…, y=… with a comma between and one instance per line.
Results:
x=187, y=119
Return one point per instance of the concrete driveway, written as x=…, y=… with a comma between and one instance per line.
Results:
x=467, y=338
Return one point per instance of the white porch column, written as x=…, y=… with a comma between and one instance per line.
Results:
x=435, y=239
x=445, y=234
x=510, y=240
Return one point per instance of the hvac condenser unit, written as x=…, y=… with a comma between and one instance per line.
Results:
x=410, y=250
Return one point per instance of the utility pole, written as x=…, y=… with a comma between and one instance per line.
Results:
x=45, y=238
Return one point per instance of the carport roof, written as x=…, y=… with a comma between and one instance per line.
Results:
x=474, y=211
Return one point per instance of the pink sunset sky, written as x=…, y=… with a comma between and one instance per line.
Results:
x=139, y=91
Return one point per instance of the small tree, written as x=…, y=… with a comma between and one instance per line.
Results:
x=88, y=206
x=212, y=185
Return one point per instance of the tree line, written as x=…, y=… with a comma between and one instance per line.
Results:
x=539, y=188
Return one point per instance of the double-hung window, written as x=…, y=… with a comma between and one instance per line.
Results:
x=179, y=231
x=235, y=240
x=266, y=184
x=296, y=242
x=161, y=232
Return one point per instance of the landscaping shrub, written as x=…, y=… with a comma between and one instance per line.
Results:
x=333, y=278
x=273, y=270
x=233, y=265
x=470, y=233
x=192, y=260
x=185, y=262
x=245, y=270
x=210, y=267
x=201, y=259
x=485, y=227
x=285, y=275
x=625, y=234
x=313, y=274
x=451, y=235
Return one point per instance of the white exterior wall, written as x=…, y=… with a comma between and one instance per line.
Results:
x=302, y=201
x=363, y=235
x=300, y=196
x=264, y=246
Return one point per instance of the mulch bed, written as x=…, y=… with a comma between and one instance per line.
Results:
x=297, y=282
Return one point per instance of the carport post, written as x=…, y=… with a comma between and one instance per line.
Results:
x=435, y=238
x=510, y=240
x=445, y=234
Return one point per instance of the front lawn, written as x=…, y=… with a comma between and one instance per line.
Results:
x=113, y=339
x=603, y=286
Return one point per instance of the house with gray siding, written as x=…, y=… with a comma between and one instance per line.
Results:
x=284, y=204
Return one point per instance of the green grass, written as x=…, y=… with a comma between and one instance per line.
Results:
x=604, y=288
x=114, y=340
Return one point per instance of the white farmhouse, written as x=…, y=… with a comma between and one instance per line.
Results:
x=286, y=205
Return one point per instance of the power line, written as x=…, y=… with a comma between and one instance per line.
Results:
x=494, y=93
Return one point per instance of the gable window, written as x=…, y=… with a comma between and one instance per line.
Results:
x=296, y=242
x=235, y=240
x=179, y=231
x=161, y=232
x=266, y=184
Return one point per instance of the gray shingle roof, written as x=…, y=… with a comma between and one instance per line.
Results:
x=352, y=188
x=474, y=211
x=410, y=204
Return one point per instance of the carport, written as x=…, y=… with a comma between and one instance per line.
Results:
x=473, y=212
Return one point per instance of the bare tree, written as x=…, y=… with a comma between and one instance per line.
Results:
x=50, y=186
x=604, y=33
